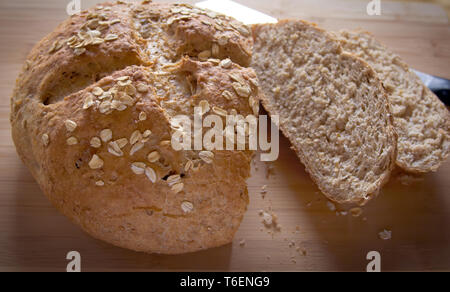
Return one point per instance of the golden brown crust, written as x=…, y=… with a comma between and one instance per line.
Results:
x=79, y=119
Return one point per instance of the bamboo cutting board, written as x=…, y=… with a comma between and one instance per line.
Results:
x=34, y=236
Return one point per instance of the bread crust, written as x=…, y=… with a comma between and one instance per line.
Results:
x=145, y=84
x=420, y=118
x=363, y=197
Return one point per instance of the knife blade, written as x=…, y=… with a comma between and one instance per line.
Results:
x=244, y=14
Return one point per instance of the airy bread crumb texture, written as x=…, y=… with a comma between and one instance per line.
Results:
x=331, y=106
x=421, y=120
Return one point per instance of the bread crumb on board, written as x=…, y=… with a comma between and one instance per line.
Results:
x=409, y=179
x=301, y=250
x=270, y=220
x=385, y=234
x=270, y=169
x=341, y=213
x=331, y=206
x=263, y=191
x=356, y=212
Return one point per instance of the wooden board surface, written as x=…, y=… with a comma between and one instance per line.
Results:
x=34, y=236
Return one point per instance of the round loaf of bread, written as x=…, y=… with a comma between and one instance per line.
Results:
x=92, y=118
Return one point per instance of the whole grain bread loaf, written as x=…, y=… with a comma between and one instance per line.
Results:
x=331, y=106
x=92, y=114
x=421, y=120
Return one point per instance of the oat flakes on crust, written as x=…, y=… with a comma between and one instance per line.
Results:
x=120, y=73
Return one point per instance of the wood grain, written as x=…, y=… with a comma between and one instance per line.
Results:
x=34, y=236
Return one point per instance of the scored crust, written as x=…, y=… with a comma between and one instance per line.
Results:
x=331, y=106
x=92, y=114
x=421, y=120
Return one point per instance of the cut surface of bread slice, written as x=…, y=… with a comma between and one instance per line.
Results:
x=331, y=106
x=421, y=120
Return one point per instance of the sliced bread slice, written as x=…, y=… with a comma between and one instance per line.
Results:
x=331, y=106
x=420, y=119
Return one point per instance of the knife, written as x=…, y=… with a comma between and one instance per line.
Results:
x=440, y=86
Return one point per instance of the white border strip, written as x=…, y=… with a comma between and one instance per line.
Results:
x=240, y=12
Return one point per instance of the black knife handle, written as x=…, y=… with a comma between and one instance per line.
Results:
x=444, y=95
